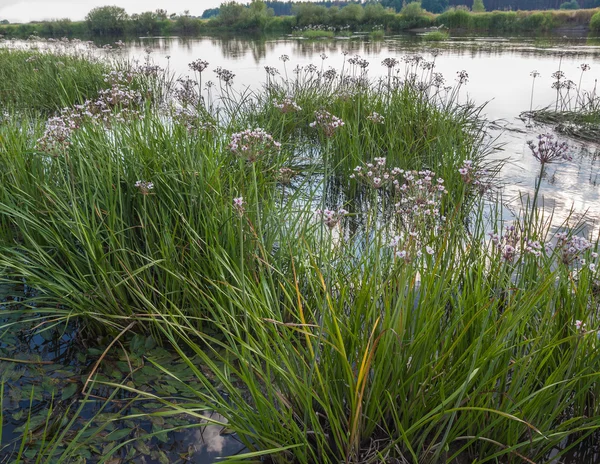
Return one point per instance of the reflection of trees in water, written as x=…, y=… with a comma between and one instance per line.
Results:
x=187, y=44
x=155, y=43
x=234, y=48
x=306, y=48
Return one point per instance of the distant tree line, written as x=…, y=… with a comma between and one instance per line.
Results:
x=261, y=16
x=287, y=8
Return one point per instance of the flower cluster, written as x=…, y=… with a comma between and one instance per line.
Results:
x=238, y=205
x=330, y=74
x=327, y=122
x=149, y=70
x=286, y=175
x=507, y=244
x=572, y=249
x=480, y=179
x=118, y=103
x=286, y=105
x=376, y=118
x=224, y=75
x=581, y=328
x=57, y=136
x=331, y=217
x=189, y=118
x=548, y=150
x=420, y=204
x=186, y=94
x=358, y=61
x=462, y=77
x=253, y=143
x=408, y=248
x=389, y=63
x=271, y=71
x=118, y=77
x=198, y=65
x=376, y=174
x=144, y=187
x=567, y=249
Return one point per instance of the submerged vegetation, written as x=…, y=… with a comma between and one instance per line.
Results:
x=324, y=257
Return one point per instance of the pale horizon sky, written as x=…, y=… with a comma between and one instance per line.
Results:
x=23, y=11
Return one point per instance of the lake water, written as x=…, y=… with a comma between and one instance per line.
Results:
x=499, y=76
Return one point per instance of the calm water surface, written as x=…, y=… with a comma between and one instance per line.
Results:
x=499, y=76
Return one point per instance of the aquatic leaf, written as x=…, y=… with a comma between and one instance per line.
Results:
x=114, y=461
x=118, y=434
x=162, y=457
x=149, y=343
x=137, y=343
x=142, y=447
x=69, y=391
x=109, y=446
x=47, y=335
x=162, y=436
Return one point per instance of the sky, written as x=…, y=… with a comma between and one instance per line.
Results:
x=37, y=10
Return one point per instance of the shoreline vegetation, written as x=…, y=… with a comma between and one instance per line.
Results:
x=309, y=20
x=325, y=256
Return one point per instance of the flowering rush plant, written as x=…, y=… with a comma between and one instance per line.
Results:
x=327, y=122
x=570, y=250
x=286, y=105
x=418, y=204
x=145, y=187
x=547, y=150
x=253, y=144
x=331, y=218
x=238, y=205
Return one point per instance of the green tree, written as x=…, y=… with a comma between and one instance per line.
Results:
x=185, y=24
x=309, y=13
x=230, y=13
x=106, y=20
x=571, y=5
x=434, y=6
x=211, y=12
x=146, y=22
x=259, y=14
x=412, y=10
x=478, y=6
x=374, y=13
x=595, y=23
x=351, y=14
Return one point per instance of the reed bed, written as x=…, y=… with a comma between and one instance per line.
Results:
x=576, y=111
x=323, y=253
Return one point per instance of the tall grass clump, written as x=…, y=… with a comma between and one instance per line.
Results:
x=436, y=36
x=420, y=346
x=48, y=82
x=104, y=222
x=321, y=254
